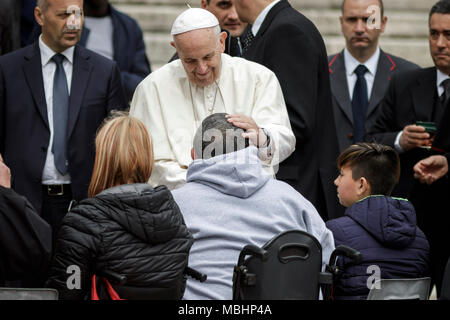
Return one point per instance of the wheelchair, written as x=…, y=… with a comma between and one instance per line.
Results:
x=123, y=289
x=288, y=267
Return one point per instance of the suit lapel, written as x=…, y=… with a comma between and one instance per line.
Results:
x=423, y=94
x=32, y=69
x=384, y=70
x=339, y=85
x=80, y=76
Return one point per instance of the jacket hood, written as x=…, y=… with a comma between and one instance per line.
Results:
x=391, y=221
x=238, y=174
x=149, y=214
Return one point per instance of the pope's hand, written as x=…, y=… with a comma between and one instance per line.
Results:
x=254, y=133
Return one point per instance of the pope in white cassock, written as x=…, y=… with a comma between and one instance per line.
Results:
x=173, y=101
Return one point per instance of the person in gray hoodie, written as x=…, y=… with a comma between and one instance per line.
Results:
x=229, y=201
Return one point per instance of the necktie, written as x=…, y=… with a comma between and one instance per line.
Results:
x=445, y=97
x=443, y=101
x=359, y=104
x=247, y=39
x=60, y=115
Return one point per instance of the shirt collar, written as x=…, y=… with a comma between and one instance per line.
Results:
x=351, y=63
x=441, y=77
x=260, y=19
x=47, y=53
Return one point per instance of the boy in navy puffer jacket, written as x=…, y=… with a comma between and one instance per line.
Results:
x=382, y=228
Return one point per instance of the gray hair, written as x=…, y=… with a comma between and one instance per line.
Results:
x=217, y=136
x=42, y=4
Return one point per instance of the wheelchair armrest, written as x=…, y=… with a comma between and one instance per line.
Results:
x=252, y=250
x=113, y=276
x=325, y=278
x=195, y=274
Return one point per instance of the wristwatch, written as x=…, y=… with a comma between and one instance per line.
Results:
x=267, y=142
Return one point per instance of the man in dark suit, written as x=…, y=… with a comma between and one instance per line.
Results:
x=290, y=45
x=423, y=95
x=54, y=95
x=118, y=37
x=362, y=51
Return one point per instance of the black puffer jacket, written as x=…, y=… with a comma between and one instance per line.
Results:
x=133, y=230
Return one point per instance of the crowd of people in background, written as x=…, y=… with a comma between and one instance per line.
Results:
x=251, y=129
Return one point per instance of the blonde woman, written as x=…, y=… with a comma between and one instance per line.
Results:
x=125, y=226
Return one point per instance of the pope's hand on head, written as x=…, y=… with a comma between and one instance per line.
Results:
x=253, y=132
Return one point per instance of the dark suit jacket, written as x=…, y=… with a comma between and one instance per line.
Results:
x=291, y=46
x=25, y=241
x=388, y=65
x=24, y=128
x=129, y=50
x=9, y=25
x=410, y=98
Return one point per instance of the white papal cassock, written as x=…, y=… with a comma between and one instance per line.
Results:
x=172, y=108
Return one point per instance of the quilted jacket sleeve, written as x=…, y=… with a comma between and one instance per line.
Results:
x=76, y=248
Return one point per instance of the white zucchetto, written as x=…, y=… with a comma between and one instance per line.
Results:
x=193, y=19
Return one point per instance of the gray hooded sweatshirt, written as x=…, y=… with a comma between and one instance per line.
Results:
x=229, y=201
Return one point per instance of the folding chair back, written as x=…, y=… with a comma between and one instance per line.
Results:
x=28, y=294
x=400, y=289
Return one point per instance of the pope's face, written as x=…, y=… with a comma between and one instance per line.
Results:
x=200, y=53
x=61, y=23
x=225, y=12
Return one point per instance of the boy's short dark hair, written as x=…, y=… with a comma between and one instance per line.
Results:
x=378, y=163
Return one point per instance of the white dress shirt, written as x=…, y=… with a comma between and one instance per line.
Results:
x=260, y=19
x=351, y=64
x=50, y=174
x=441, y=77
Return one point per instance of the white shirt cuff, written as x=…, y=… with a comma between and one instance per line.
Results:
x=397, y=146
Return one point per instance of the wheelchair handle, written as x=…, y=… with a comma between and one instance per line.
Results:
x=195, y=274
x=346, y=251
x=252, y=250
